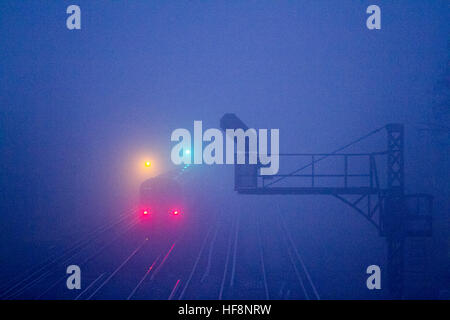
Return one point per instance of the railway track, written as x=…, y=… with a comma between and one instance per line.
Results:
x=34, y=276
x=244, y=256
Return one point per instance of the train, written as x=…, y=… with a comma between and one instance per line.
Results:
x=162, y=204
x=175, y=201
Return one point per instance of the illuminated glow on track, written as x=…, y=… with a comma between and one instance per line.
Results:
x=162, y=262
x=174, y=290
x=143, y=278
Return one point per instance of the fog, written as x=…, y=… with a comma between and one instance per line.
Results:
x=82, y=111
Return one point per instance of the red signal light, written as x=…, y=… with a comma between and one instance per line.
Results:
x=146, y=211
x=175, y=212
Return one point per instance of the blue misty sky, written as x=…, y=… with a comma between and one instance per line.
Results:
x=75, y=104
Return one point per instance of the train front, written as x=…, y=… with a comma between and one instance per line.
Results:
x=162, y=207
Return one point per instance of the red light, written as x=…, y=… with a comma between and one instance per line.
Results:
x=175, y=212
x=146, y=211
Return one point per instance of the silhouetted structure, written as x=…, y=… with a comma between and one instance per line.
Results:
x=395, y=214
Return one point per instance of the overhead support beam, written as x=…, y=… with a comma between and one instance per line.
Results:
x=394, y=214
x=306, y=190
